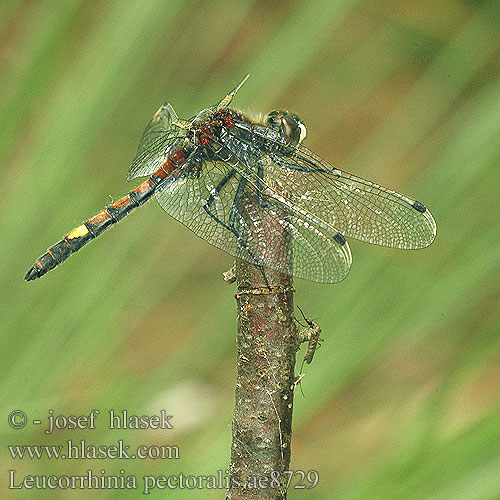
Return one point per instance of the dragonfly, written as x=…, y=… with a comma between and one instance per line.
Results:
x=226, y=173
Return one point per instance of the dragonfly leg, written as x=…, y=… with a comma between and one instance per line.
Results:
x=232, y=216
x=214, y=195
x=236, y=202
x=260, y=184
x=218, y=188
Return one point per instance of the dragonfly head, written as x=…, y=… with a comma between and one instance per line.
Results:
x=287, y=124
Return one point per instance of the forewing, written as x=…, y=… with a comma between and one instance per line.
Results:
x=358, y=208
x=263, y=231
x=157, y=139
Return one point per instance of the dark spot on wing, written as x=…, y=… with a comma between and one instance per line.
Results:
x=339, y=238
x=419, y=207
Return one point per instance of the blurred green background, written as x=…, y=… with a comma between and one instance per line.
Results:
x=402, y=400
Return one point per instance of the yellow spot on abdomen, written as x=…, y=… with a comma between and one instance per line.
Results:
x=78, y=232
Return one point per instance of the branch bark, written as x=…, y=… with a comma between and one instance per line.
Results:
x=267, y=344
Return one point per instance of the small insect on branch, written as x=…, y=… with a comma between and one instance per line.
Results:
x=310, y=334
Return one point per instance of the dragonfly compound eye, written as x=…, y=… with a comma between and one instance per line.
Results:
x=293, y=128
x=288, y=124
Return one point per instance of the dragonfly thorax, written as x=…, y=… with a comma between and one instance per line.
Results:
x=208, y=127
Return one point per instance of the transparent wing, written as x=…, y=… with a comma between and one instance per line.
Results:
x=227, y=210
x=158, y=138
x=356, y=207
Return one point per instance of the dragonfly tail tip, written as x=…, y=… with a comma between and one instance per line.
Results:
x=33, y=273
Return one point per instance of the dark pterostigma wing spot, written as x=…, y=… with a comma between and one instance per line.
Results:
x=339, y=238
x=419, y=207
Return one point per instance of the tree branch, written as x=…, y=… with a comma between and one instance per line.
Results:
x=267, y=343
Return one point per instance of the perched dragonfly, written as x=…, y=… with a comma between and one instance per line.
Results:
x=223, y=171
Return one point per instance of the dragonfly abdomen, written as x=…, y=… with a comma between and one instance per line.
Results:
x=112, y=214
x=90, y=229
